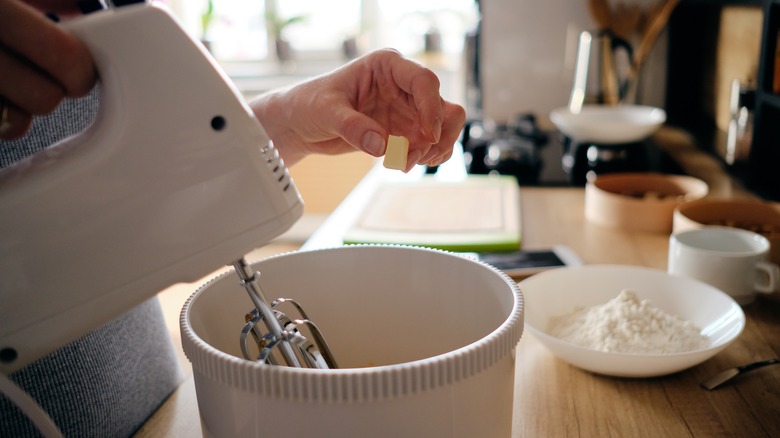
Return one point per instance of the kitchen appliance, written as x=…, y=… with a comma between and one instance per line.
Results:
x=581, y=160
x=601, y=71
x=538, y=156
x=174, y=179
x=511, y=149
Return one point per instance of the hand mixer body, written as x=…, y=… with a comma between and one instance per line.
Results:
x=174, y=179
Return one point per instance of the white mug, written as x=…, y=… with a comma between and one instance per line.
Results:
x=732, y=259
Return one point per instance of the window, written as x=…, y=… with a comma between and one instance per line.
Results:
x=238, y=31
x=234, y=30
x=405, y=23
x=325, y=25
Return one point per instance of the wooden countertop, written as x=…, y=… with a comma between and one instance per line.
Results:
x=553, y=398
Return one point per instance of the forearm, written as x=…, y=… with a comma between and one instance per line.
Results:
x=272, y=112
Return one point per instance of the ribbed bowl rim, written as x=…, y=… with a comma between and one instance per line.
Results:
x=354, y=385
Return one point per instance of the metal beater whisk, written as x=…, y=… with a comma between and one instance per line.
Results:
x=282, y=332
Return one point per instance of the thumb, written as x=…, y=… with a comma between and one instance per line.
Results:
x=363, y=133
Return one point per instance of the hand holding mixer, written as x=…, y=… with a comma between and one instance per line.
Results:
x=175, y=178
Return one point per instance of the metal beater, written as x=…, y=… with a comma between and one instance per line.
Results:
x=283, y=334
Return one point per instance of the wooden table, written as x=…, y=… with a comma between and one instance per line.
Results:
x=555, y=399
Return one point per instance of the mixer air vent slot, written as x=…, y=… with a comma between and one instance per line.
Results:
x=276, y=164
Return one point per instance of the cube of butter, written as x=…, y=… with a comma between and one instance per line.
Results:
x=396, y=152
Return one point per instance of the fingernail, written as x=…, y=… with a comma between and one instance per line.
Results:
x=432, y=153
x=374, y=143
x=5, y=122
x=436, y=130
x=412, y=159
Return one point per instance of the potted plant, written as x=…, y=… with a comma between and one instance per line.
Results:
x=206, y=18
x=276, y=26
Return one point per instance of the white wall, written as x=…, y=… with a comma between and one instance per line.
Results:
x=524, y=45
x=528, y=53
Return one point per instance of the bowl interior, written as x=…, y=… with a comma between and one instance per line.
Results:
x=609, y=124
x=555, y=293
x=375, y=305
x=652, y=186
x=757, y=216
x=642, y=201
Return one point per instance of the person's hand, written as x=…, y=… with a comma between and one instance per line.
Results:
x=40, y=63
x=357, y=106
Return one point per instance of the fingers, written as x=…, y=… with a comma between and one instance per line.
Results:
x=436, y=154
x=440, y=121
x=40, y=64
x=13, y=122
x=425, y=90
x=45, y=46
x=431, y=124
x=422, y=85
x=59, y=7
x=454, y=118
x=30, y=90
x=357, y=106
x=362, y=132
x=365, y=134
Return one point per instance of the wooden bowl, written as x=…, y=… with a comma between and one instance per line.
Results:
x=639, y=201
x=754, y=215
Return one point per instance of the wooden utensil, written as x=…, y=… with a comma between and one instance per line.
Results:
x=626, y=20
x=608, y=73
x=602, y=14
x=656, y=23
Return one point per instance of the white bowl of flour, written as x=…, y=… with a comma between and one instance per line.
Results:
x=629, y=321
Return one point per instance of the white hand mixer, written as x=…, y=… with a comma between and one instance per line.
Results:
x=174, y=179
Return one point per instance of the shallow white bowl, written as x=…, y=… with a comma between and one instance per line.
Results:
x=609, y=124
x=560, y=291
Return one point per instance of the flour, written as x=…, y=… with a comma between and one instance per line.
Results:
x=626, y=324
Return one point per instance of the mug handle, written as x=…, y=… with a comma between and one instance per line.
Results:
x=772, y=275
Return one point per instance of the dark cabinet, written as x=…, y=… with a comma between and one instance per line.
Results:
x=700, y=56
x=763, y=174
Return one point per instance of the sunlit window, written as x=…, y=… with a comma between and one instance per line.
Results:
x=323, y=25
x=408, y=25
x=240, y=30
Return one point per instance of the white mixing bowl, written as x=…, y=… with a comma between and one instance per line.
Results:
x=424, y=339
